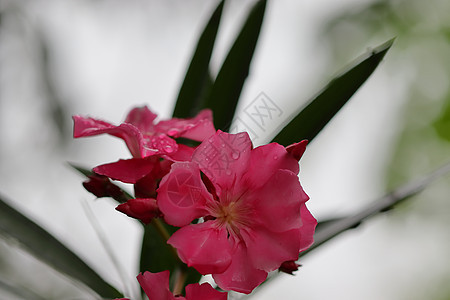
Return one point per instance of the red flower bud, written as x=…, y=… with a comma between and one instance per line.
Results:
x=289, y=267
x=144, y=209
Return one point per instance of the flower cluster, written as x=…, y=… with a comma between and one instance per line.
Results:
x=240, y=210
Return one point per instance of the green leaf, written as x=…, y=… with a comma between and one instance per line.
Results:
x=41, y=244
x=156, y=254
x=197, y=78
x=402, y=193
x=321, y=109
x=84, y=171
x=227, y=87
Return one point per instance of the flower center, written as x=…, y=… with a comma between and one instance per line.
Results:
x=233, y=216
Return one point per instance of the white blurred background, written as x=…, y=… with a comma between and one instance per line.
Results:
x=103, y=57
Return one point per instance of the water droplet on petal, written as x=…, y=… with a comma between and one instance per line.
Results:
x=172, y=132
x=275, y=157
x=168, y=149
x=235, y=155
x=228, y=172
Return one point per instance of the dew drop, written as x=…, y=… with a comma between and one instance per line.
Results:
x=228, y=172
x=172, y=132
x=235, y=155
x=168, y=149
x=275, y=157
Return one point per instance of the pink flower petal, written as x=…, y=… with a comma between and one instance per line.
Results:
x=142, y=118
x=203, y=246
x=184, y=153
x=156, y=285
x=307, y=229
x=144, y=209
x=241, y=276
x=159, y=144
x=182, y=194
x=277, y=203
x=198, y=128
x=203, y=292
x=146, y=186
x=297, y=149
x=265, y=161
x=126, y=170
x=224, y=157
x=84, y=127
x=268, y=250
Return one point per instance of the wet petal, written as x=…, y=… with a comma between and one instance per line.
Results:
x=203, y=246
x=159, y=144
x=182, y=194
x=224, y=157
x=126, y=170
x=184, y=153
x=84, y=127
x=241, y=276
x=198, y=128
x=265, y=161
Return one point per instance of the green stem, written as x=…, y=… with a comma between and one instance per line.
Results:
x=159, y=226
x=180, y=280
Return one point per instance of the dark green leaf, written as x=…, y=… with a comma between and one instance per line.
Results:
x=197, y=78
x=313, y=118
x=156, y=255
x=227, y=87
x=41, y=244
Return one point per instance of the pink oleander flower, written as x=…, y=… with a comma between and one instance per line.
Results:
x=251, y=203
x=156, y=287
x=145, y=137
x=148, y=141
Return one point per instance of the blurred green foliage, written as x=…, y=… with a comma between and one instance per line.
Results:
x=421, y=57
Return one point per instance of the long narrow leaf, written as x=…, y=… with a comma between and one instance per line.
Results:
x=41, y=244
x=383, y=204
x=197, y=78
x=321, y=109
x=227, y=87
x=9, y=288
